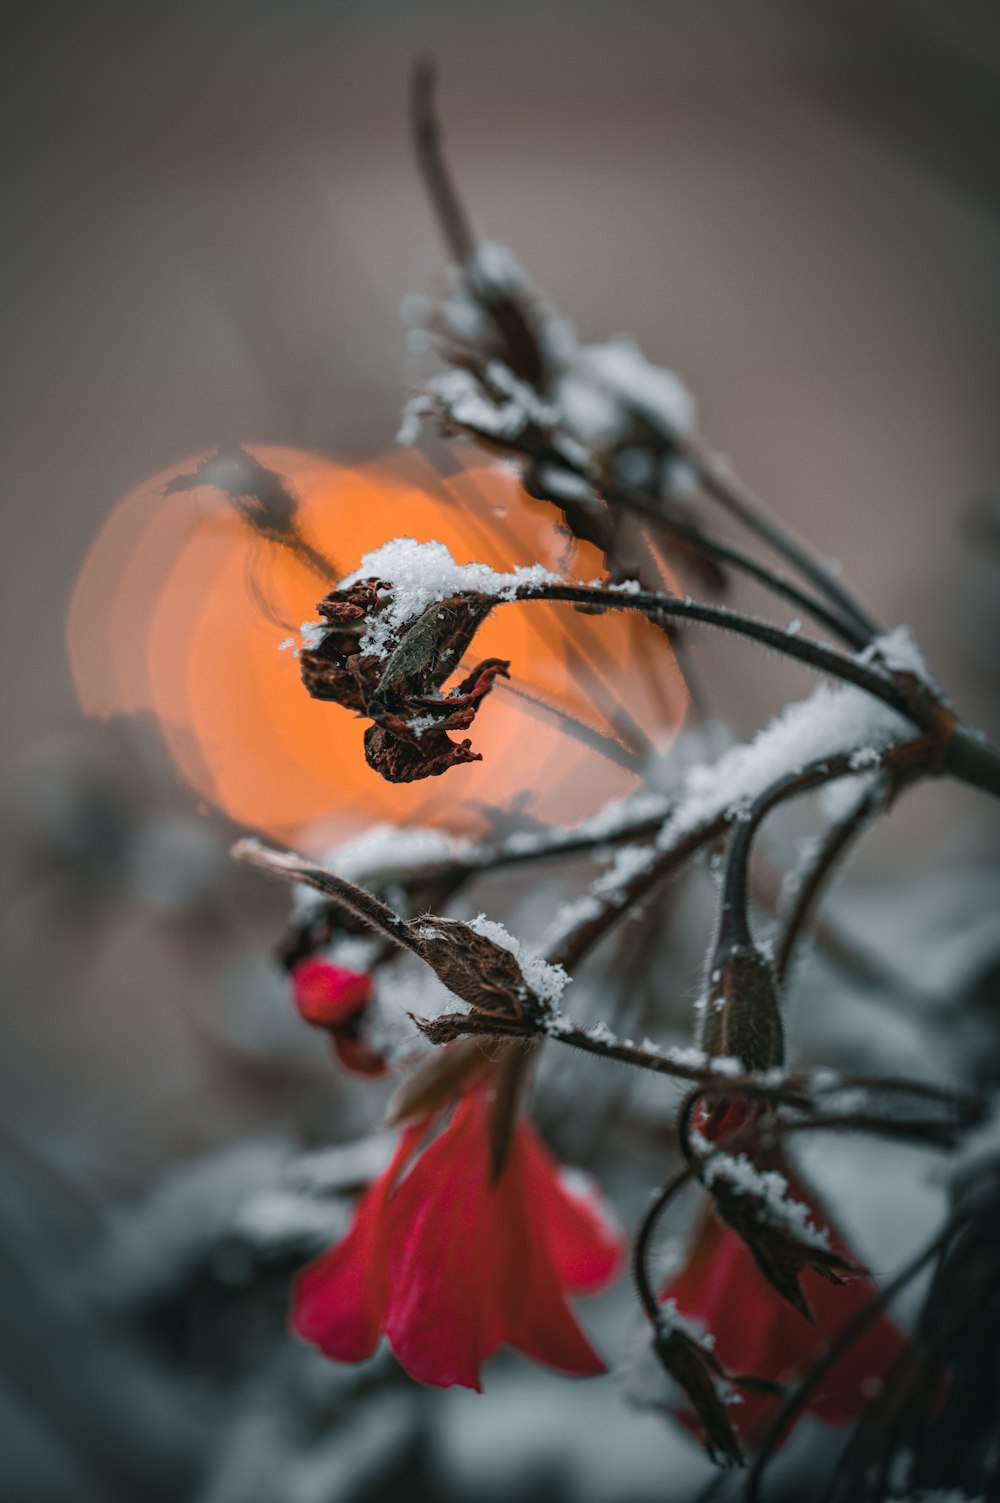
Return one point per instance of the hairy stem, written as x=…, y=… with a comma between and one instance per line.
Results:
x=824, y=659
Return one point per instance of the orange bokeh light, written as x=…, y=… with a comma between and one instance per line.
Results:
x=176, y=614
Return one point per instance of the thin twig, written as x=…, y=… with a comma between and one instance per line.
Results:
x=839, y=838
x=448, y=206
x=741, y=503
x=734, y=927
x=824, y=659
x=643, y=1242
x=617, y=493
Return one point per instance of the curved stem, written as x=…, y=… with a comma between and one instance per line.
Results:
x=741, y=503
x=734, y=920
x=839, y=838
x=617, y=493
x=905, y=761
x=824, y=659
x=643, y=1242
x=363, y=904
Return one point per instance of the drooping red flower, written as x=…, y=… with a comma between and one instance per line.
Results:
x=334, y=998
x=756, y=1331
x=451, y=1264
x=329, y=995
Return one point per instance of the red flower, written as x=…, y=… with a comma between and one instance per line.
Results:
x=329, y=995
x=451, y=1264
x=334, y=998
x=758, y=1332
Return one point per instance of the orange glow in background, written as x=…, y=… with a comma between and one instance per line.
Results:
x=176, y=611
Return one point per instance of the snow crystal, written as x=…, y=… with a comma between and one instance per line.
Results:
x=470, y=404
x=829, y=721
x=739, y=1174
x=671, y=1322
x=547, y=981
x=605, y=383
x=418, y=575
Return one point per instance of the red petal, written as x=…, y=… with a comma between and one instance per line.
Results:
x=587, y=1244
x=329, y=995
x=538, y=1320
x=758, y=1332
x=339, y=1299
x=446, y=1245
x=473, y=1261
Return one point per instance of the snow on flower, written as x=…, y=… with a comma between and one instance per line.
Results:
x=420, y=574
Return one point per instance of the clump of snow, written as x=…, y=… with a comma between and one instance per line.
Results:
x=601, y=392
x=630, y=862
x=463, y=398
x=420, y=574
x=770, y=1188
x=606, y=890
x=830, y=721
x=670, y=1322
x=571, y=915
x=548, y=982
x=897, y=650
x=604, y=384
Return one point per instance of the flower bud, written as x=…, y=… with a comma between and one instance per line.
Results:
x=328, y=996
x=356, y=1054
x=741, y=1018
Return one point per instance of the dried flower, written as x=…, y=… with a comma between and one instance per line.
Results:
x=403, y=693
